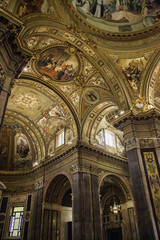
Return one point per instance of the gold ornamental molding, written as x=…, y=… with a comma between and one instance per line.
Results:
x=49, y=162
x=135, y=115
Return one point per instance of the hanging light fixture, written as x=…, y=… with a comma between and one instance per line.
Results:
x=115, y=208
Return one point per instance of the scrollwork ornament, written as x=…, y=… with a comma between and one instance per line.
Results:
x=36, y=55
x=146, y=143
x=131, y=143
x=79, y=81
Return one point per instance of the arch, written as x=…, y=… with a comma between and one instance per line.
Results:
x=56, y=189
x=120, y=181
x=51, y=180
x=103, y=64
x=57, y=208
x=95, y=116
x=50, y=105
x=115, y=202
x=149, y=79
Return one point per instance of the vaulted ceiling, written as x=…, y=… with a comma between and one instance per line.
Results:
x=85, y=69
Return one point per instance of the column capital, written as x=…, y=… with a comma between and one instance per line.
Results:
x=131, y=143
x=85, y=168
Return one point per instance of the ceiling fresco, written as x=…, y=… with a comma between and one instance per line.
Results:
x=119, y=15
x=72, y=81
x=132, y=70
x=18, y=124
x=34, y=114
x=28, y=101
x=27, y=7
x=39, y=104
x=59, y=64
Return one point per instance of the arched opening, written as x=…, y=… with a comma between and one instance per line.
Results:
x=117, y=210
x=57, y=217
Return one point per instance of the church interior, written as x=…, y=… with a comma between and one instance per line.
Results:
x=80, y=119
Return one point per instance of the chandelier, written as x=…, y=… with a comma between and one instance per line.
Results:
x=115, y=208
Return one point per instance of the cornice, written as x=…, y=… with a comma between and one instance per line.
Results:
x=134, y=115
x=77, y=148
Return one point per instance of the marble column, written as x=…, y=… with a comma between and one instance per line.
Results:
x=86, y=206
x=141, y=139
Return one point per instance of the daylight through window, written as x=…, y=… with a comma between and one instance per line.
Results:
x=109, y=138
x=60, y=138
x=16, y=221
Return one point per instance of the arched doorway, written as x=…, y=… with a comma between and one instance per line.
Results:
x=57, y=217
x=117, y=210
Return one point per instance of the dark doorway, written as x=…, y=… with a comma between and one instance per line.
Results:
x=69, y=230
x=114, y=233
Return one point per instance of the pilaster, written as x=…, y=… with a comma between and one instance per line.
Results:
x=86, y=214
x=141, y=137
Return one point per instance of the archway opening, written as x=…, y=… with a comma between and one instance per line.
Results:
x=117, y=210
x=57, y=218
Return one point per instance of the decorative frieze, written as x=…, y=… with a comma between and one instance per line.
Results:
x=83, y=167
x=131, y=143
x=39, y=184
x=146, y=143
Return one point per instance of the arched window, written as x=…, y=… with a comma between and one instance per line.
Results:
x=60, y=138
x=109, y=138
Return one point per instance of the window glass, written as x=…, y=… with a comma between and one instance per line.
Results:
x=60, y=138
x=109, y=138
x=16, y=222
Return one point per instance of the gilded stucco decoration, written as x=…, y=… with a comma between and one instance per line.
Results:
x=81, y=46
x=94, y=119
x=39, y=113
x=156, y=96
x=97, y=136
x=70, y=63
x=153, y=85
